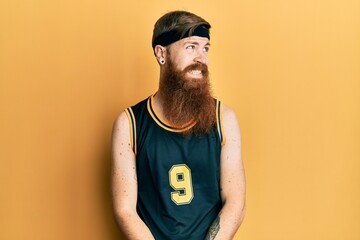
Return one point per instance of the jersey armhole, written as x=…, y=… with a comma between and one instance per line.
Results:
x=132, y=127
x=219, y=123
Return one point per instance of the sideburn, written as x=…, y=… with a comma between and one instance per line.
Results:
x=184, y=101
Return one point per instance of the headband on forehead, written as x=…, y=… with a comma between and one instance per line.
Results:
x=173, y=36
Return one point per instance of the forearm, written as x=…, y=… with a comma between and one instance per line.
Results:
x=226, y=223
x=132, y=226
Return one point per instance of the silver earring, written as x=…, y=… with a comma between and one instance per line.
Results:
x=162, y=61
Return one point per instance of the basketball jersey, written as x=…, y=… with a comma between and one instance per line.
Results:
x=178, y=175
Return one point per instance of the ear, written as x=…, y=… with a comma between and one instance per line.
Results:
x=160, y=52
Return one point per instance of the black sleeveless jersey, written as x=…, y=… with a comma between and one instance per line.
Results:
x=178, y=176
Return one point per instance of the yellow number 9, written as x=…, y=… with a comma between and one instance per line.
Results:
x=180, y=181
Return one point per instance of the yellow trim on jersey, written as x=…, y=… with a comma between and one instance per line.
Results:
x=162, y=123
x=222, y=127
x=219, y=121
x=132, y=126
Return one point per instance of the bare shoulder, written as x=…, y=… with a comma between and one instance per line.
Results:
x=227, y=111
x=121, y=124
x=229, y=120
x=121, y=137
x=121, y=142
x=121, y=120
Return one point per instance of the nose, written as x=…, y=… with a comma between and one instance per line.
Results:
x=201, y=57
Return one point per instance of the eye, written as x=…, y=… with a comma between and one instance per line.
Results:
x=206, y=49
x=190, y=47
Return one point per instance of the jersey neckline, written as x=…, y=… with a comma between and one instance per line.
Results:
x=161, y=122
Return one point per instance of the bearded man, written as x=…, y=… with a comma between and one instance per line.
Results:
x=177, y=171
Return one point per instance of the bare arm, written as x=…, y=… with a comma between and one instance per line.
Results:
x=124, y=183
x=232, y=181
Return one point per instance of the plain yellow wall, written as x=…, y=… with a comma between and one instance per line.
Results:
x=290, y=70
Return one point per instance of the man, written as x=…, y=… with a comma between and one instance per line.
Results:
x=177, y=169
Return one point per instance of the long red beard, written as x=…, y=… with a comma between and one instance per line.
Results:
x=186, y=99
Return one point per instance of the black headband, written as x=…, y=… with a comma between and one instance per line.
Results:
x=172, y=36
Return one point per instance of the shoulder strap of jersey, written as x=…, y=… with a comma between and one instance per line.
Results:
x=219, y=122
x=132, y=126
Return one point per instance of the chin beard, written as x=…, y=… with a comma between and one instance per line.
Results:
x=188, y=99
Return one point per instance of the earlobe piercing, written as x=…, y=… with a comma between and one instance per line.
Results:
x=162, y=61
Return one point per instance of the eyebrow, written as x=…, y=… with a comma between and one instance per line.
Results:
x=195, y=43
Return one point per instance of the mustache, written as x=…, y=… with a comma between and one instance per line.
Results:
x=197, y=66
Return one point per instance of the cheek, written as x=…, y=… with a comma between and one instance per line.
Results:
x=183, y=63
x=179, y=64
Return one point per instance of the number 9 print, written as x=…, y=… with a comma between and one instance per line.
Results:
x=180, y=180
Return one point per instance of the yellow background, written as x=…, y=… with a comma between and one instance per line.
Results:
x=290, y=70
